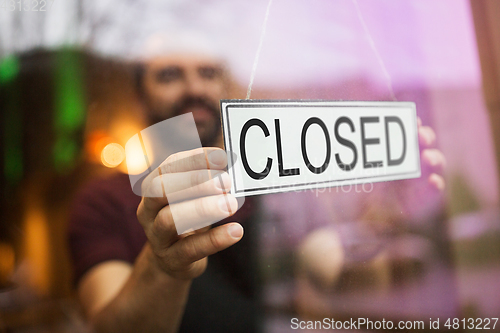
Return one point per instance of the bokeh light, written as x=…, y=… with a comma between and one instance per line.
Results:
x=112, y=155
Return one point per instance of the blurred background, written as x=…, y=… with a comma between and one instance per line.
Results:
x=67, y=91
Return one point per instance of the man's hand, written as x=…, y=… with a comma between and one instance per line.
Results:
x=412, y=199
x=422, y=198
x=433, y=161
x=188, y=190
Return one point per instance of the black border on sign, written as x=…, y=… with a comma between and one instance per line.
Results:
x=241, y=103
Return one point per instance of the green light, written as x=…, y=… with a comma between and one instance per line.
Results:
x=12, y=120
x=69, y=92
x=13, y=167
x=69, y=108
x=9, y=68
x=65, y=152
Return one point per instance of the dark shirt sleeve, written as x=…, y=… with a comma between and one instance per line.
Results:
x=97, y=226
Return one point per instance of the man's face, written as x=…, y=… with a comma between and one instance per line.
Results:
x=175, y=85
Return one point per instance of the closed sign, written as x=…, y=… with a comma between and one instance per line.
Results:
x=278, y=146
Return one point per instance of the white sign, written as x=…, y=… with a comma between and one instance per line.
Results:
x=279, y=146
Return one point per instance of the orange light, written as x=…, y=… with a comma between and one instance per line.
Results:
x=137, y=156
x=112, y=155
x=7, y=261
x=37, y=247
x=95, y=143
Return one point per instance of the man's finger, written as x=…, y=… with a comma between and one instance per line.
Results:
x=175, y=219
x=187, y=184
x=202, y=212
x=437, y=181
x=159, y=194
x=426, y=137
x=197, y=159
x=433, y=161
x=198, y=246
x=220, y=184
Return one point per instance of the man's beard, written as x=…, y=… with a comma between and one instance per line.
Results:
x=209, y=135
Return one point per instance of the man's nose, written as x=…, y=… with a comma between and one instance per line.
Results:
x=195, y=85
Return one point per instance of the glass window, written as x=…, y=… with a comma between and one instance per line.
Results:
x=78, y=79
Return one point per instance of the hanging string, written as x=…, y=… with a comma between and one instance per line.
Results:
x=257, y=55
x=377, y=54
